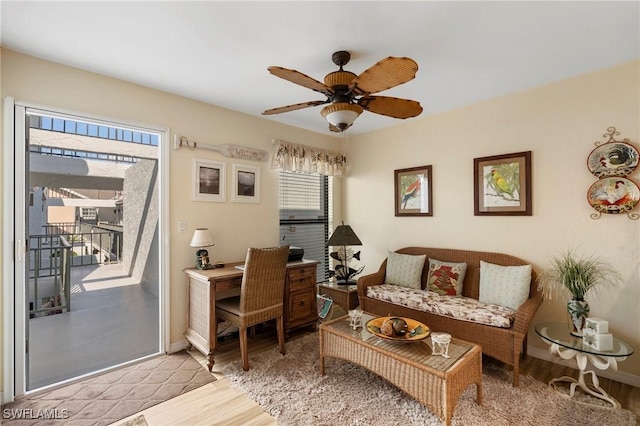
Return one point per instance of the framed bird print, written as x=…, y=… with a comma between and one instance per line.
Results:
x=502, y=185
x=413, y=191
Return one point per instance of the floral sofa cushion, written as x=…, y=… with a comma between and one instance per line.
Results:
x=461, y=308
x=446, y=278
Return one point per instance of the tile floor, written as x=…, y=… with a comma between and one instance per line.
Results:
x=113, y=320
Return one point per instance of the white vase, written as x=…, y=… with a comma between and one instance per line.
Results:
x=578, y=310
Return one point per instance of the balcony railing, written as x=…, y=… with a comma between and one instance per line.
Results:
x=51, y=257
x=93, y=244
x=50, y=265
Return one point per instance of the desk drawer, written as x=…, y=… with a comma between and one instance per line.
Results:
x=229, y=284
x=301, y=283
x=301, y=306
x=303, y=271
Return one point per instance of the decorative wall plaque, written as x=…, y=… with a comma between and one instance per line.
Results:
x=612, y=162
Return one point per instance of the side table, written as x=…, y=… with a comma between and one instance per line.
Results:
x=345, y=296
x=567, y=346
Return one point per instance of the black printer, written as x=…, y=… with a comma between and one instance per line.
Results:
x=295, y=254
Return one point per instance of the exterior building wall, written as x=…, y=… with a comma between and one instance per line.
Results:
x=61, y=214
x=140, y=224
x=37, y=211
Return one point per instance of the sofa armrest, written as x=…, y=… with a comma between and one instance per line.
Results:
x=525, y=314
x=365, y=281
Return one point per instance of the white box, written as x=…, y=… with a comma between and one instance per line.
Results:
x=597, y=325
x=598, y=341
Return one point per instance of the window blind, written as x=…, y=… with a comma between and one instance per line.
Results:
x=305, y=206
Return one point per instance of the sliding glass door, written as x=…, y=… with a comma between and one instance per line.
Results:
x=89, y=286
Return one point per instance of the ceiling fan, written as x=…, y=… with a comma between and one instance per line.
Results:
x=349, y=94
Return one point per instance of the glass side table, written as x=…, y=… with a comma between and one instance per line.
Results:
x=568, y=347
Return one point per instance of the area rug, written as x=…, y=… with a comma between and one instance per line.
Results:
x=112, y=396
x=291, y=389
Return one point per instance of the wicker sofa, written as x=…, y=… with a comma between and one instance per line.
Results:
x=504, y=344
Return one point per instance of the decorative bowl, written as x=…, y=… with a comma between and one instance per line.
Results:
x=415, y=330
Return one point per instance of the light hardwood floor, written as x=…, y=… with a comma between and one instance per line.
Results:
x=220, y=404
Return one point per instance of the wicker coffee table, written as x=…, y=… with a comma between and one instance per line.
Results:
x=434, y=381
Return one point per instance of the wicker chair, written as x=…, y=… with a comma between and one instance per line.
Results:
x=261, y=296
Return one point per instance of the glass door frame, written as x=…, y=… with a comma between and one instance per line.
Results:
x=14, y=246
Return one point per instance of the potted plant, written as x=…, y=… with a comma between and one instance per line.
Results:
x=577, y=275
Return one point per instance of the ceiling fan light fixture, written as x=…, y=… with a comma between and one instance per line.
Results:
x=348, y=94
x=341, y=114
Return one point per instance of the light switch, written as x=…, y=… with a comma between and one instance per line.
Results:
x=182, y=227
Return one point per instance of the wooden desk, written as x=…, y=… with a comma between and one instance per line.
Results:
x=204, y=287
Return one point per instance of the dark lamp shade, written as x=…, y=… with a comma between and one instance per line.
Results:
x=344, y=236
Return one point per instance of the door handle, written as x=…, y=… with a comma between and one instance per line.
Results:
x=18, y=254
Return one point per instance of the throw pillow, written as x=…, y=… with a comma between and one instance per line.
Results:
x=405, y=269
x=504, y=285
x=446, y=278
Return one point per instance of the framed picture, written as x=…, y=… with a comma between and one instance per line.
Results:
x=413, y=191
x=208, y=180
x=502, y=185
x=246, y=184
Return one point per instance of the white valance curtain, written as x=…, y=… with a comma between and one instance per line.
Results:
x=303, y=158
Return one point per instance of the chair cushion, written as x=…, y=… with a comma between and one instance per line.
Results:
x=446, y=278
x=404, y=269
x=504, y=285
x=230, y=304
x=228, y=309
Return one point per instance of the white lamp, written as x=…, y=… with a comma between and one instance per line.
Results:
x=341, y=114
x=201, y=239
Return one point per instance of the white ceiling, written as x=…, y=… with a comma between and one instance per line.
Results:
x=218, y=52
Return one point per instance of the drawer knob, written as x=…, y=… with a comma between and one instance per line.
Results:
x=301, y=303
x=302, y=271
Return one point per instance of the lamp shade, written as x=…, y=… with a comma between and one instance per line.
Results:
x=201, y=238
x=344, y=236
x=341, y=114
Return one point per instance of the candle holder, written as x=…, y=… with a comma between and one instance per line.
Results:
x=440, y=343
x=355, y=318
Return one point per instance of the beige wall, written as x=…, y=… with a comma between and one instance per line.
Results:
x=234, y=226
x=61, y=214
x=559, y=123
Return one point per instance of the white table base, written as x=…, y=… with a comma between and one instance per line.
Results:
x=600, y=362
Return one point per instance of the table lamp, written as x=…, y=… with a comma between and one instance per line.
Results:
x=344, y=236
x=201, y=239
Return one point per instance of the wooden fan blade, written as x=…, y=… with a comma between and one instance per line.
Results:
x=294, y=107
x=391, y=107
x=299, y=78
x=387, y=73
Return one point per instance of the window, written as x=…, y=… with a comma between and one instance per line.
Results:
x=305, y=219
x=88, y=213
